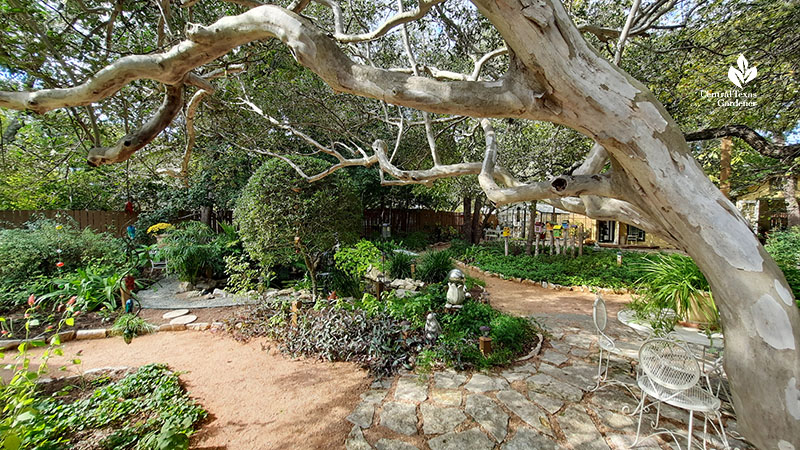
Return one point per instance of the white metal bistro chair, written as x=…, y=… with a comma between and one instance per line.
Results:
x=669, y=373
x=606, y=344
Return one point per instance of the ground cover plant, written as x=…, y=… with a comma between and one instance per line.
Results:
x=597, y=268
x=387, y=335
x=147, y=409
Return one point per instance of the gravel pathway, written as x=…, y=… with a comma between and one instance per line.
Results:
x=166, y=294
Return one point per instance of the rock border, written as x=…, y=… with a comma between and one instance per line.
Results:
x=102, y=333
x=545, y=284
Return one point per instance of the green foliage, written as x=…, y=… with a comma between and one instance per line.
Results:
x=192, y=249
x=36, y=250
x=433, y=266
x=509, y=332
x=356, y=260
x=674, y=281
x=244, y=275
x=93, y=287
x=147, y=410
x=399, y=265
x=784, y=247
x=129, y=326
x=282, y=217
x=597, y=268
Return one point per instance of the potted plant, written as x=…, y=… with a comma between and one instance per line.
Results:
x=485, y=342
x=674, y=282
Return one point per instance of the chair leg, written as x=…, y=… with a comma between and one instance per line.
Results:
x=641, y=413
x=600, y=374
x=691, y=427
x=658, y=413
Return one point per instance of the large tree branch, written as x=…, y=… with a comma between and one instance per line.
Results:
x=401, y=18
x=311, y=47
x=753, y=139
x=130, y=143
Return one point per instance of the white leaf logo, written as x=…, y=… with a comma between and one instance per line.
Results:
x=743, y=74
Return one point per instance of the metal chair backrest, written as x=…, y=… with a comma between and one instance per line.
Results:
x=599, y=314
x=669, y=363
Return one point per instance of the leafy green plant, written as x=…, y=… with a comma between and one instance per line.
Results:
x=93, y=287
x=399, y=265
x=674, y=282
x=129, y=326
x=191, y=250
x=433, y=267
x=784, y=247
x=245, y=275
x=356, y=260
x=510, y=332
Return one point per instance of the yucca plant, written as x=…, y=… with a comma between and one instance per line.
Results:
x=674, y=281
x=433, y=267
x=399, y=265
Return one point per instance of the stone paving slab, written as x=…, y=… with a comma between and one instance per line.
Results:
x=472, y=439
x=580, y=430
x=489, y=414
x=438, y=420
x=393, y=444
x=355, y=440
x=400, y=417
x=525, y=410
x=446, y=397
x=449, y=379
x=526, y=439
x=411, y=389
x=482, y=383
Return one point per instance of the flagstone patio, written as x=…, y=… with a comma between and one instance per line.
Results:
x=544, y=403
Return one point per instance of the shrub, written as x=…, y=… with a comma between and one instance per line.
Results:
x=129, y=326
x=191, y=251
x=92, y=287
x=36, y=249
x=416, y=240
x=784, y=247
x=356, y=260
x=434, y=266
x=244, y=275
x=399, y=265
x=283, y=218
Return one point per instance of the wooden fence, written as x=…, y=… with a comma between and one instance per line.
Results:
x=114, y=222
x=410, y=220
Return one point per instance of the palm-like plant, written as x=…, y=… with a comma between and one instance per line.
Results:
x=674, y=282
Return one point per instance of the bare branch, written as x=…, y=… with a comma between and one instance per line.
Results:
x=753, y=139
x=396, y=20
x=128, y=145
x=623, y=36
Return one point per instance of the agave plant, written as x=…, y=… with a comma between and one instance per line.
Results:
x=674, y=281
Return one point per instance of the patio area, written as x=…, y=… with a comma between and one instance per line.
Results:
x=545, y=402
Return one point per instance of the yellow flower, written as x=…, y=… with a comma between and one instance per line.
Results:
x=159, y=227
x=58, y=227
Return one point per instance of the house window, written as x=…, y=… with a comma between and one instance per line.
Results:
x=606, y=230
x=635, y=234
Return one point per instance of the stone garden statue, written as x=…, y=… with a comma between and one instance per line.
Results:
x=456, y=294
x=432, y=328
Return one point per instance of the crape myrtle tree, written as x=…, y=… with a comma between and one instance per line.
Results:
x=639, y=169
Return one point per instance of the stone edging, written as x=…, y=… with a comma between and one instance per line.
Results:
x=545, y=284
x=102, y=333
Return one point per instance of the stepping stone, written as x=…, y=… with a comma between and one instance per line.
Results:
x=560, y=346
x=548, y=403
x=448, y=379
x=183, y=320
x=489, y=414
x=472, y=439
x=362, y=415
x=446, y=397
x=483, y=383
x=581, y=375
x=436, y=420
x=546, y=384
x=400, y=417
x=554, y=358
x=580, y=430
x=383, y=383
x=175, y=313
x=580, y=340
x=393, y=444
x=374, y=396
x=580, y=352
x=620, y=401
x=512, y=376
x=355, y=440
x=411, y=390
x=527, y=439
x=525, y=410
x=616, y=422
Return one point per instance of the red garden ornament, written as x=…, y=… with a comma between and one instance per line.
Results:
x=59, y=264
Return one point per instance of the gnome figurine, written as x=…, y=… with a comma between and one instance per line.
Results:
x=432, y=328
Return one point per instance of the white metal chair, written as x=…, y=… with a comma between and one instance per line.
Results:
x=605, y=343
x=669, y=373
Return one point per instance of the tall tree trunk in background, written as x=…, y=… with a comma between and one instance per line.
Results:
x=477, y=232
x=531, y=227
x=789, y=189
x=467, y=218
x=205, y=215
x=725, y=166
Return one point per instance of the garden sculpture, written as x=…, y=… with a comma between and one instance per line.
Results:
x=432, y=328
x=456, y=294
